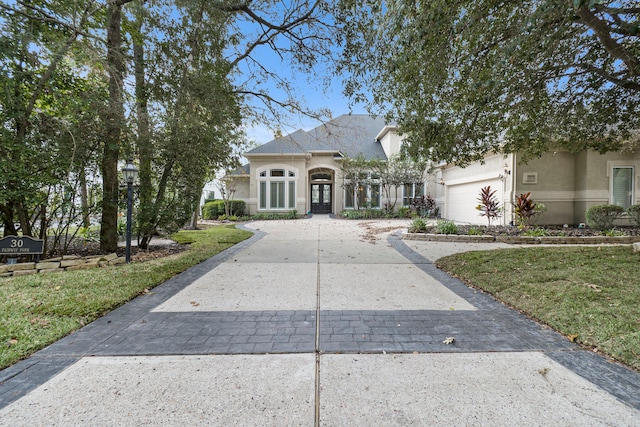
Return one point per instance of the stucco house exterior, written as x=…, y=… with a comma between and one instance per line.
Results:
x=566, y=183
x=302, y=172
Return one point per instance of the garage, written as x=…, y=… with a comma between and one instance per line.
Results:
x=461, y=200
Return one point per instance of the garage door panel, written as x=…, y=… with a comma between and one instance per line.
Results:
x=462, y=199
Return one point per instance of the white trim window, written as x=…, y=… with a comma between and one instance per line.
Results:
x=622, y=185
x=411, y=191
x=363, y=195
x=277, y=189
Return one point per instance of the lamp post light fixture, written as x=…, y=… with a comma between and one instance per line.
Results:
x=130, y=173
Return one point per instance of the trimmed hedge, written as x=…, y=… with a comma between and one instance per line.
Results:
x=215, y=209
x=601, y=217
x=634, y=213
x=210, y=209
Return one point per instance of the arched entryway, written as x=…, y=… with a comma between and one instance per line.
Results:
x=322, y=182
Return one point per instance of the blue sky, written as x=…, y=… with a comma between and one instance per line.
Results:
x=309, y=89
x=315, y=97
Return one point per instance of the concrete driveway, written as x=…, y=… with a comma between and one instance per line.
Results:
x=318, y=322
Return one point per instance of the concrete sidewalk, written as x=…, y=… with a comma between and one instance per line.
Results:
x=318, y=322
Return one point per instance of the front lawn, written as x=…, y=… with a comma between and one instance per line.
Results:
x=38, y=309
x=589, y=294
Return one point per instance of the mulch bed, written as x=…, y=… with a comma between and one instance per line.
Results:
x=83, y=249
x=502, y=230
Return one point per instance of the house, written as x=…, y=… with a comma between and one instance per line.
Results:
x=302, y=172
x=566, y=183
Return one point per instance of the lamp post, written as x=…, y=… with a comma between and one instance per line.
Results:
x=130, y=173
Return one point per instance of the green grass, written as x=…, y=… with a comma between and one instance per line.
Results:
x=37, y=310
x=589, y=294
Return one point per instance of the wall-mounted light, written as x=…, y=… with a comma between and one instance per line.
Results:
x=441, y=181
x=507, y=170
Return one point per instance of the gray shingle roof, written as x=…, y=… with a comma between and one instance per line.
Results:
x=242, y=170
x=350, y=134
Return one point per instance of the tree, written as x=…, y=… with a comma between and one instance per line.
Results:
x=114, y=126
x=489, y=205
x=227, y=187
x=195, y=69
x=466, y=77
x=357, y=176
x=181, y=75
x=47, y=105
x=397, y=171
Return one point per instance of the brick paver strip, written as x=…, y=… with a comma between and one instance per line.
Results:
x=134, y=329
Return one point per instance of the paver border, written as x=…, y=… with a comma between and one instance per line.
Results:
x=48, y=362
x=613, y=377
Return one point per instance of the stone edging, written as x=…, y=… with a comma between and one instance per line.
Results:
x=64, y=263
x=523, y=240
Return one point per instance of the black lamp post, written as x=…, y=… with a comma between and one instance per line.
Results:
x=130, y=173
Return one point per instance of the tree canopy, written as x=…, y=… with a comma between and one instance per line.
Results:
x=466, y=77
x=171, y=83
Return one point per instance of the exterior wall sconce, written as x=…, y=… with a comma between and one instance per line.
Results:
x=507, y=171
x=441, y=181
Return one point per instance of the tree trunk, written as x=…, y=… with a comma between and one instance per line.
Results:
x=146, y=226
x=84, y=198
x=113, y=130
x=7, y=220
x=154, y=207
x=193, y=224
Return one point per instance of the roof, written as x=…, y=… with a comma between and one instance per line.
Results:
x=243, y=170
x=350, y=134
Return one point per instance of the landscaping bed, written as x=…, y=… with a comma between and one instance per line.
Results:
x=516, y=235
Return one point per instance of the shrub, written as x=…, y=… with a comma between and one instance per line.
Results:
x=489, y=205
x=261, y=216
x=601, y=217
x=526, y=210
x=418, y=226
x=214, y=209
x=236, y=207
x=210, y=210
x=350, y=214
x=446, y=227
x=537, y=232
x=475, y=231
x=363, y=213
x=634, y=213
x=424, y=205
x=404, y=212
x=613, y=233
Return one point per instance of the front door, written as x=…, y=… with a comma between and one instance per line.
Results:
x=321, y=198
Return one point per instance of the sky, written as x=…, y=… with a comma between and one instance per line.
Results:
x=315, y=97
x=311, y=92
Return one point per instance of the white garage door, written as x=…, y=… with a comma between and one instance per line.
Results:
x=461, y=201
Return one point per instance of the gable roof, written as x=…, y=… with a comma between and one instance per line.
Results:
x=349, y=134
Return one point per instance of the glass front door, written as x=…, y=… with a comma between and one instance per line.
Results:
x=321, y=198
